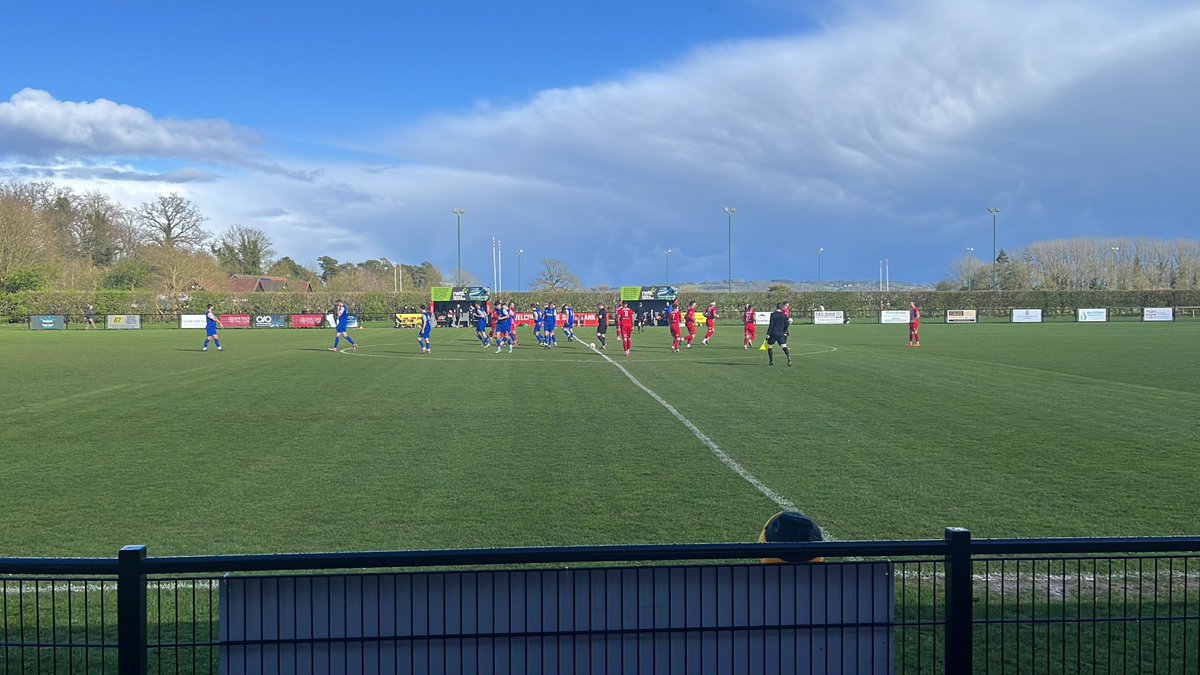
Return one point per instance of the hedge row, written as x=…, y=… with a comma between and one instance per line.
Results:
x=19, y=305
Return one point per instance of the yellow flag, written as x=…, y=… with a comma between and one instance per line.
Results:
x=763, y=348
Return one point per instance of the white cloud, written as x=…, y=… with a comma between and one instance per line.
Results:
x=33, y=124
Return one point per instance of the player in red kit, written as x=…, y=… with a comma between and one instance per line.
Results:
x=676, y=333
x=690, y=320
x=710, y=320
x=625, y=327
x=751, y=331
x=914, y=325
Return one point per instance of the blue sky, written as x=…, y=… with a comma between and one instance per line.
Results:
x=603, y=133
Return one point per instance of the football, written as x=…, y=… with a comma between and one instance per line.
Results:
x=592, y=345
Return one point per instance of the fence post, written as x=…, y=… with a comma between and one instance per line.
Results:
x=959, y=619
x=131, y=610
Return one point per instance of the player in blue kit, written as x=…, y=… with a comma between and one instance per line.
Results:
x=426, y=328
x=504, y=319
x=211, y=324
x=549, y=319
x=538, y=324
x=480, y=317
x=569, y=323
x=341, y=319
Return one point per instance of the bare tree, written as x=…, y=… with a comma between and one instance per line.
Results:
x=555, y=276
x=171, y=221
x=244, y=250
x=25, y=238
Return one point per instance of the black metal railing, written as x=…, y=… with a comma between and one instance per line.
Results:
x=954, y=605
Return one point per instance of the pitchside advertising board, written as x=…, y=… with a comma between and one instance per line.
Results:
x=581, y=319
x=307, y=320
x=961, y=316
x=1092, y=315
x=351, y=321
x=459, y=294
x=762, y=318
x=191, y=321
x=648, y=293
x=1027, y=316
x=48, y=322
x=893, y=316
x=234, y=320
x=825, y=318
x=270, y=321
x=123, y=321
x=1158, y=314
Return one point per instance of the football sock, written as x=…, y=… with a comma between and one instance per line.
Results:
x=351, y=341
x=336, y=340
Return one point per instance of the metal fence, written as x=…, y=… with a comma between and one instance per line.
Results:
x=940, y=606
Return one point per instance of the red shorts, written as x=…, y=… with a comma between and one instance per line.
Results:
x=675, y=331
x=913, y=326
x=691, y=328
x=751, y=331
x=625, y=329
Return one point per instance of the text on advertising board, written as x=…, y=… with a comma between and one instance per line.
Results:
x=191, y=321
x=828, y=317
x=270, y=321
x=123, y=321
x=48, y=322
x=235, y=320
x=1027, y=316
x=1158, y=314
x=961, y=316
x=893, y=316
x=1092, y=314
x=308, y=320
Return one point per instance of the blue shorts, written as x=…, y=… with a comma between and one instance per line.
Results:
x=211, y=331
x=424, y=334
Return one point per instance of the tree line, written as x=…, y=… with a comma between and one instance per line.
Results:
x=1083, y=264
x=53, y=238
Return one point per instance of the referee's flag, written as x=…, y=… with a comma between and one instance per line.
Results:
x=763, y=348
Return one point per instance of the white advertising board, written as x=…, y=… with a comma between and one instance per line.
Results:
x=893, y=316
x=825, y=317
x=1091, y=315
x=1027, y=316
x=1158, y=314
x=123, y=321
x=762, y=318
x=962, y=316
x=191, y=321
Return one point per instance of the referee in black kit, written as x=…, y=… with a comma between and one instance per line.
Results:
x=777, y=333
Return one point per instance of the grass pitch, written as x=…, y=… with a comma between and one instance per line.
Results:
x=276, y=444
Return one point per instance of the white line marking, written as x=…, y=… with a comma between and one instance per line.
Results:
x=780, y=501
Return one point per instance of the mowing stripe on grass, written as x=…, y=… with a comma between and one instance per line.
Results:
x=780, y=501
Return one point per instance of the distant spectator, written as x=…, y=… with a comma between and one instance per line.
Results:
x=89, y=317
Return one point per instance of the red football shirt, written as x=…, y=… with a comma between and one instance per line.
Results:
x=748, y=317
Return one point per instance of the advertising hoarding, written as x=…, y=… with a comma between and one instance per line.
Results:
x=459, y=294
x=648, y=293
x=48, y=322
x=828, y=317
x=351, y=321
x=581, y=319
x=307, y=320
x=762, y=318
x=191, y=321
x=1027, y=316
x=234, y=320
x=893, y=316
x=1092, y=315
x=962, y=316
x=270, y=320
x=123, y=321
x=1158, y=314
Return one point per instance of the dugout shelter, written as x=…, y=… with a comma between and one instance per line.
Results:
x=452, y=304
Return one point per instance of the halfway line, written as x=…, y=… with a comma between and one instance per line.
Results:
x=780, y=501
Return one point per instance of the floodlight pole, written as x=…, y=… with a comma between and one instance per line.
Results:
x=458, y=213
x=519, y=252
x=994, y=211
x=819, y=252
x=970, y=266
x=1115, y=251
x=667, y=253
x=729, y=211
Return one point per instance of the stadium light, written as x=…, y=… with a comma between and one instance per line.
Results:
x=520, y=251
x=1115, y=250
x=458, y=213
x=668, y=254
x=729, y=211
x=994, y=211
x=970, y=266
x=819, y=252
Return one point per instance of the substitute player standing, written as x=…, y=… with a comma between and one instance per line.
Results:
x=426, y=329
x=777, y=334
x=602, y=326
x=690, y=322
x=673, y=317
x=625, y=327
x=710, y=320
x=211, y=324
x=341, y=320
x=751, y=330
x=914, y=325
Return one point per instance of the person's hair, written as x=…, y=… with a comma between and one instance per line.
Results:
x=779, y=306
x=210, y=305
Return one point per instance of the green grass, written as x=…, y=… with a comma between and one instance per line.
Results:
x=118, y=437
